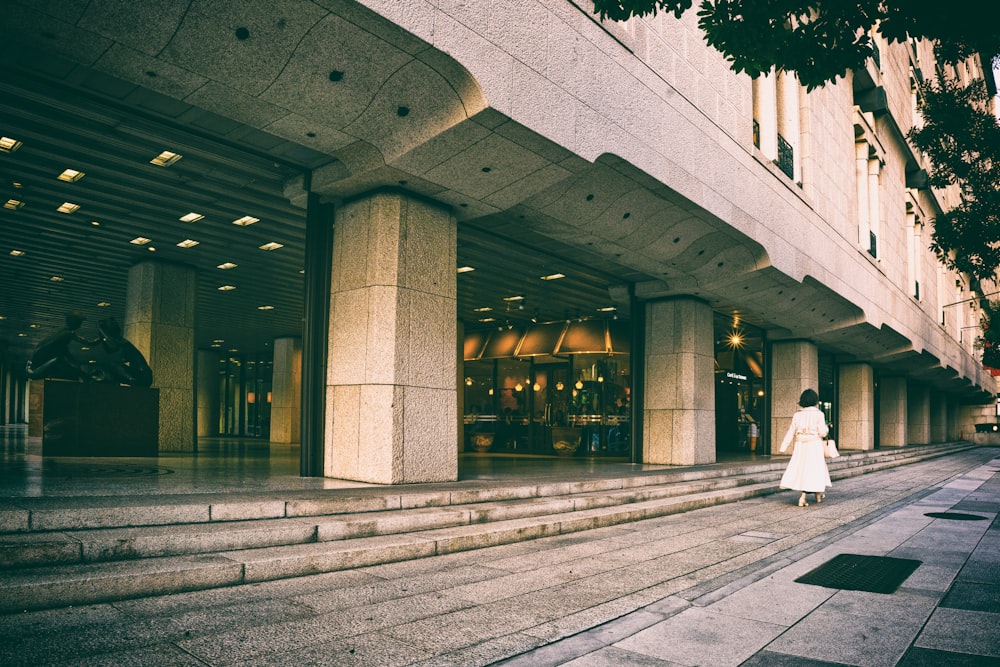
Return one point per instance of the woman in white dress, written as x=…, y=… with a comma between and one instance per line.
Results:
x=807, y=471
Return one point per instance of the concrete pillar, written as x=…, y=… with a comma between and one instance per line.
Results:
x=208, y=394
x=794, y=368
x=938, y=407
x=679, y=409
x=159, y=321
x=918, y=414
x=893, y=424
x=460, y=382
x=391, y=390
x=954, y=409
x=286, y=391
x=855, y=427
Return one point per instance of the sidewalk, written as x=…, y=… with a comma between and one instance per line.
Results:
x=713, y=586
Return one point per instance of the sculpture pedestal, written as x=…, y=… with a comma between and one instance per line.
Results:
x=77, y=419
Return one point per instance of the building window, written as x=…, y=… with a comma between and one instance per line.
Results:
x=868, y=172
x=776, y=125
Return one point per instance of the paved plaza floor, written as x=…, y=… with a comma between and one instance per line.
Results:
x=714, y=586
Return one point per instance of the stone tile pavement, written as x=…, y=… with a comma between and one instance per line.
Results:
x=713, y=586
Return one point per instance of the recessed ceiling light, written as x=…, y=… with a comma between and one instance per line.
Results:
x=13, y=204
x=188, y=243
x=246, y=220
x=265, y=307
x=227, y=265
x=140, y=240
x=553, y=276
x=191, y=217
x=151, y=248
x=103, y=304
x=17, y=253
x=22, y=335
x=68, y=207
x=271, y=246
x=165, y=159
x=513, y=298
x=9, y=145
x=219, y=340
x=226, y=288
x=465, y=269
x=95, y=223
x=70, y=175
x=56, y=279
x=34, y=326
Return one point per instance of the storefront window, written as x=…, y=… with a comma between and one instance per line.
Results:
x=739, y=386
x=573, y=404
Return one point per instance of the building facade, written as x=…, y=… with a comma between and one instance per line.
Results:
x=745, y=239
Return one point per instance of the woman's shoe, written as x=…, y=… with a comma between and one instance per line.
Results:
x=802, y=501
x=819, y=498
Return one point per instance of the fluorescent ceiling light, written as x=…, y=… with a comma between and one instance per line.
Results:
x=9, y=145
x=227, y=265
x=165, y=159
x=607, y=309
x=553, y=276
x=140, y=240
x=68, y=207
x=71, y=175
x=13, y=204
x=483, y=309
x=188, y=243
x=513, y=298
x=487, y=319
x=465, y=269
x=246, y=220
x=191, y=217
x=265, y=307
x=271, y=246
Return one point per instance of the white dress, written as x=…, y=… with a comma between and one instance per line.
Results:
x=807, y=469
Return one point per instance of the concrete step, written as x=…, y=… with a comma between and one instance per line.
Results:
x=93, y=565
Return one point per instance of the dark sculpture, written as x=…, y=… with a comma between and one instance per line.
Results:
x=109, y=358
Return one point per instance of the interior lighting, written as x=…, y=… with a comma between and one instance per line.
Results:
x=736, y=338
x=17, y=253
x=13, y=204
x=518, y=387
x=487, y=319
x=468, y=382
x=226, y=266
x=536, y=387
x=9, y=144
x=578, y=385
x=165, y=159
x=559, y=386
x=95, y=223
x=465, y=269
x=607, y=309
x=188, y=243
x=227, y=288
x=70, y=175
x=140, y=240
x=553, y=276
x=265, y=307
x=483, y=309
x=271, y=246
x=191, y=217
x=103, y=304
x=513, y=298
x=56, y=279
x=68, y=207
x=245, y=221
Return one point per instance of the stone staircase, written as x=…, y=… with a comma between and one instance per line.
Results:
x=57, y=552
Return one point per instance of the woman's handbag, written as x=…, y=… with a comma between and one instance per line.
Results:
x=830, y=449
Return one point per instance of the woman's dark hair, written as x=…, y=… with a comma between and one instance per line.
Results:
x=808, y=398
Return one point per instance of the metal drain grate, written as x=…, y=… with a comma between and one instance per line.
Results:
x=874, y=574
x=955, y=516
